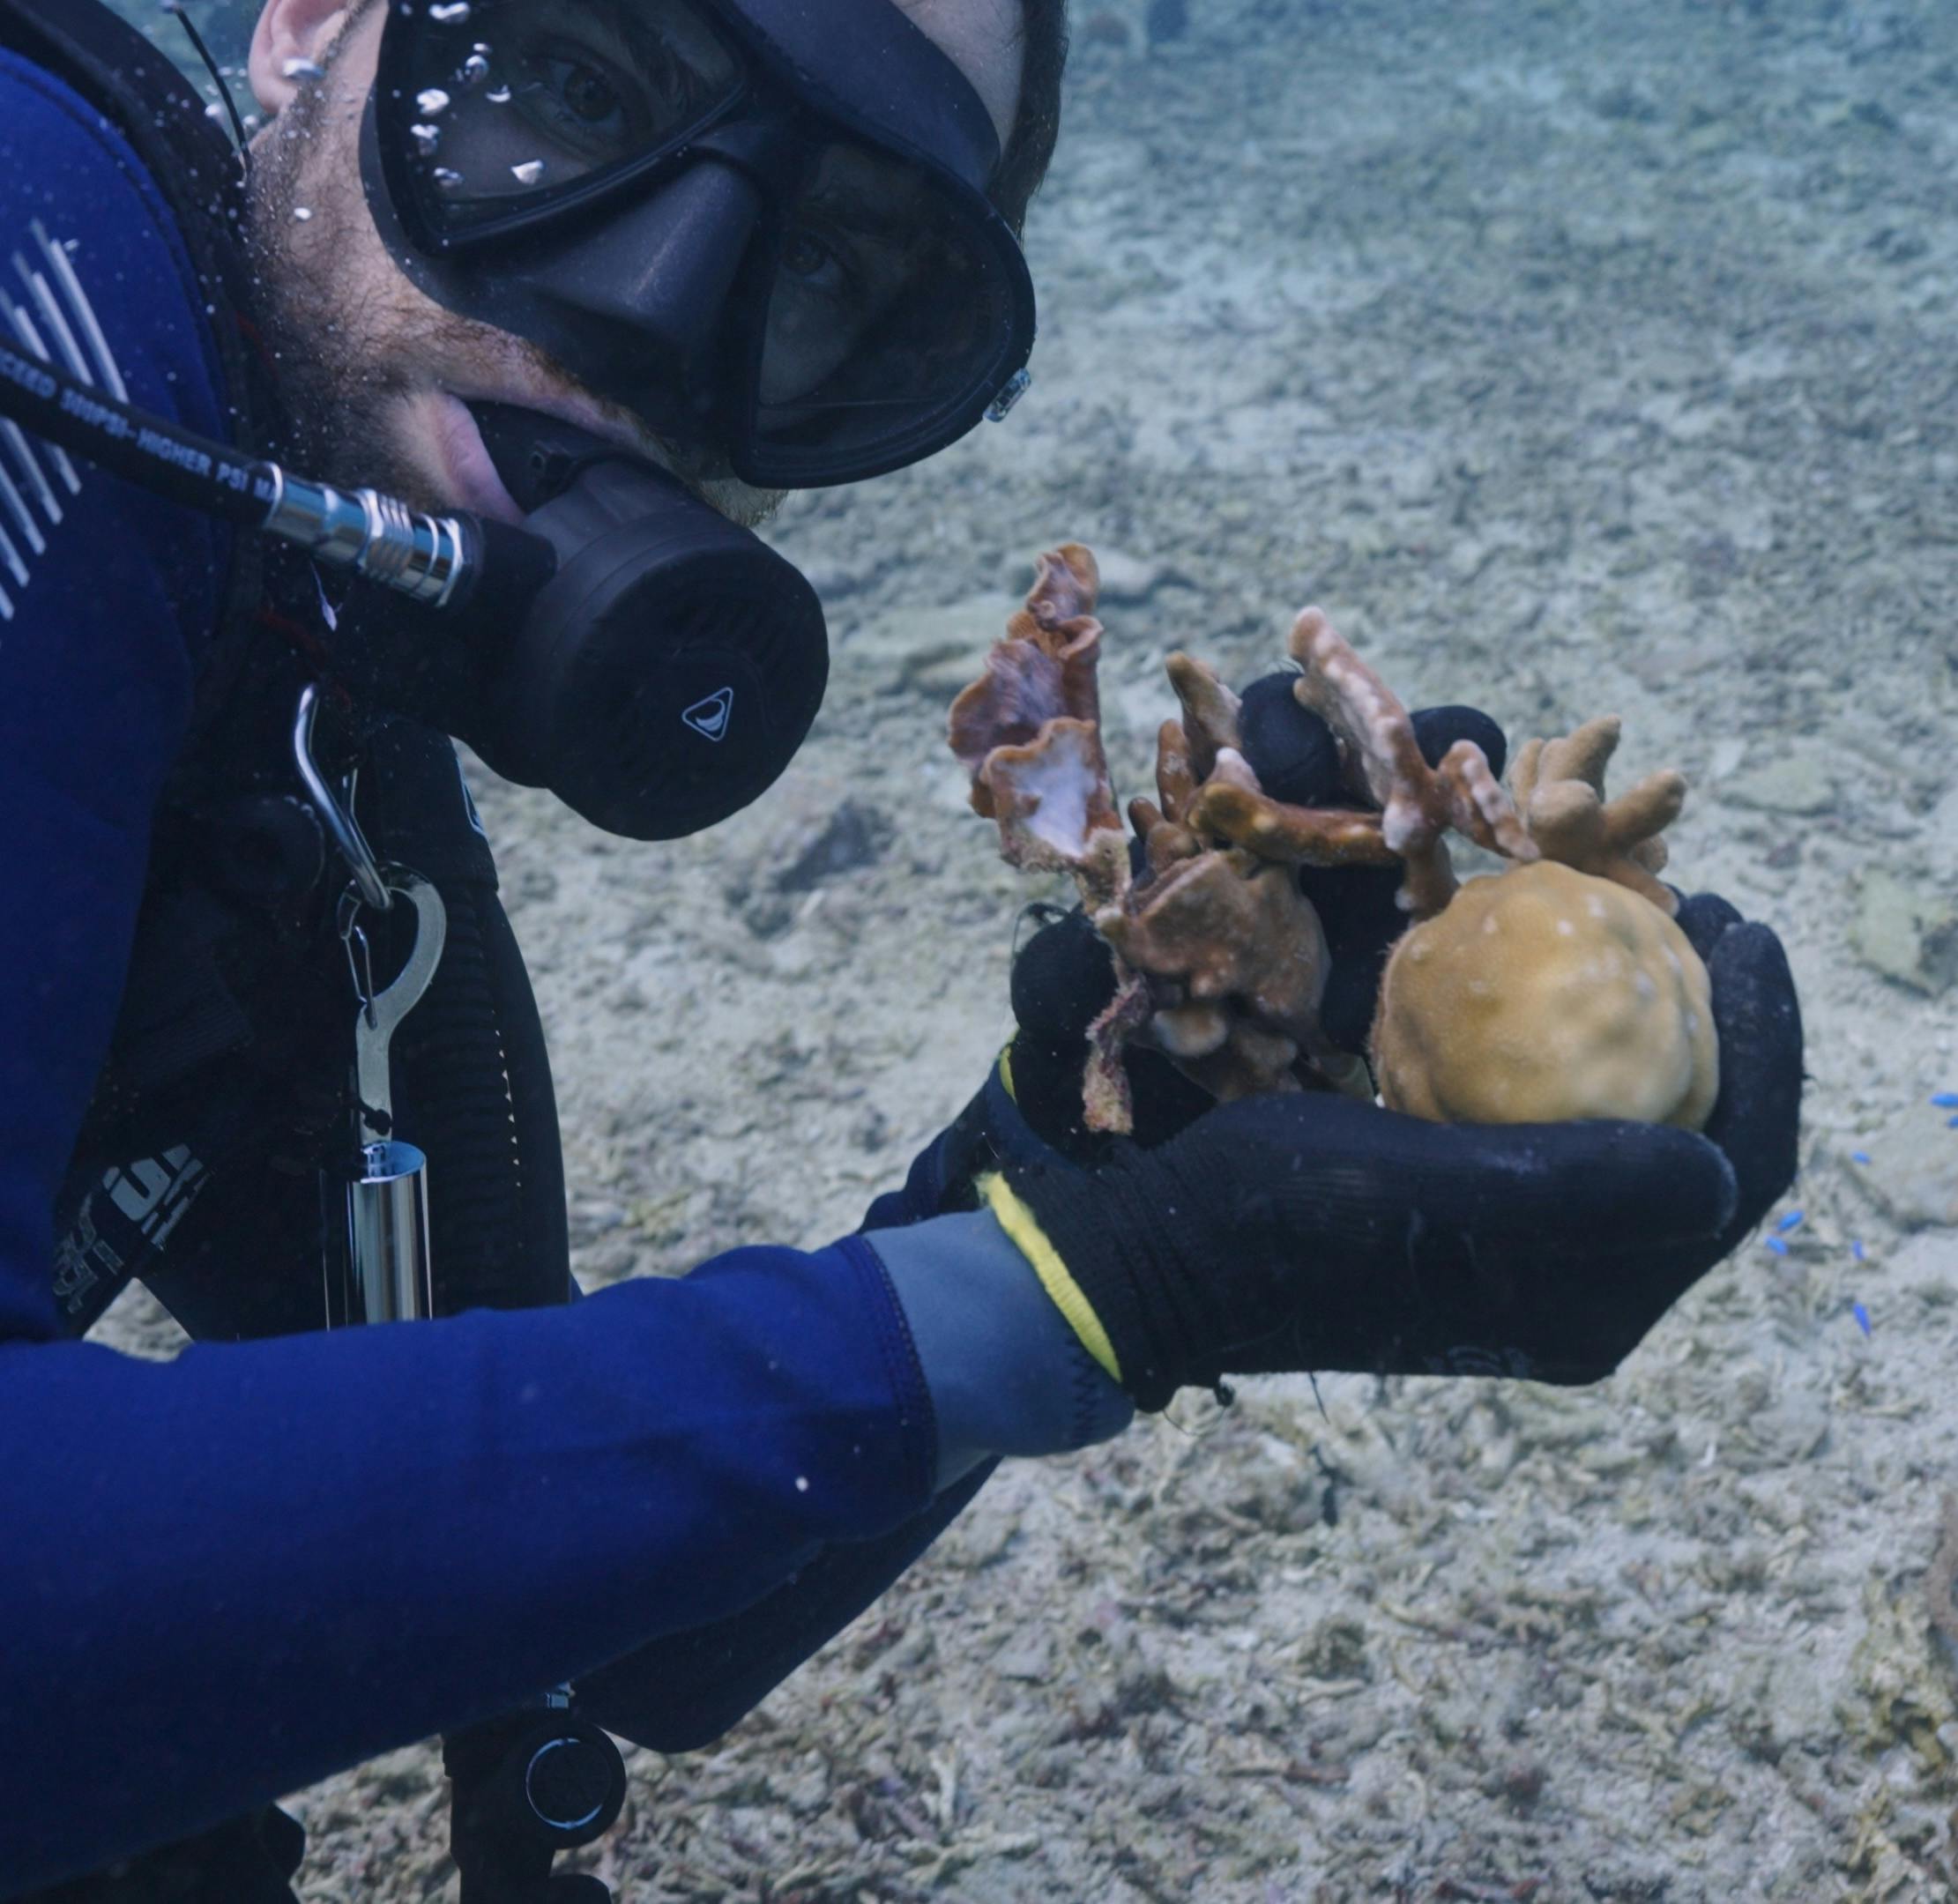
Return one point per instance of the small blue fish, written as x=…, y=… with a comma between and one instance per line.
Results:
x=1792, y=1221
x=1859, y=1156
x=1945, y=1100
x=1951, y=1123
x=1856, y=1250
x=1775, y=1244
x=1862, y=1317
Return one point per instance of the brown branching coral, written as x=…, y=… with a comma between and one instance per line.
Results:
x=1220, y=960
x=1559, y=793
x=1558, y=988
x=1028, y=732
x=1419, y=805
x=1236, y=963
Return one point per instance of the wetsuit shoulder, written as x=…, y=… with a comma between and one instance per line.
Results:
x=107, y=599
x=69, y=180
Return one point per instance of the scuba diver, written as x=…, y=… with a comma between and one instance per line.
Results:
x=445, y=408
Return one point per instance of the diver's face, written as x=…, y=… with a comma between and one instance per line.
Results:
x=376, y=375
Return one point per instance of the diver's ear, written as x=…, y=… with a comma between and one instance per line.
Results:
x=290, y=32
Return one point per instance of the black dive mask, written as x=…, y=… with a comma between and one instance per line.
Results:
x=760, y=225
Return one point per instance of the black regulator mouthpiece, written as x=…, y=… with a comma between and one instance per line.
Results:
x=670, y=669
x=658, y=681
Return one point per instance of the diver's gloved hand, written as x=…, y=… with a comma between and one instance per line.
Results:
x=1310, y=1231
x=1064, y=976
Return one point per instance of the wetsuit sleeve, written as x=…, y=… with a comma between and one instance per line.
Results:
x=1006, y=1375
x=223, y=1577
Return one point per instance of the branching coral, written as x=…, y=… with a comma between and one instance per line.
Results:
x=1559, y=793
x=1220, y=960
x=1029, y=730
x=1219, y=956
x=1558, y=988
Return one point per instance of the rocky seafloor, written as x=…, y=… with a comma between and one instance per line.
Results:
x=1577, y=358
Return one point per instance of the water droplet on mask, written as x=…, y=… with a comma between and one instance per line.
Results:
x=431, y=102
x=453, y=14
x=303, y=68
x=498, y=95
x=447, y=179
x=427, y=137
x=300, y=213
x=529, y=171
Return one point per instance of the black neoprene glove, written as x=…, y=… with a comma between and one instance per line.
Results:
x=1066, y=975
x=1310, y=1231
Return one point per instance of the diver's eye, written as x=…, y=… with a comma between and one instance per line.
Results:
x=588, y=96
x=807, y=256
x=584, y=102
x=581, y=101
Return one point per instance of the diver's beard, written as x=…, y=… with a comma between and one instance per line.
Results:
x=336, y=392
x=344, y=398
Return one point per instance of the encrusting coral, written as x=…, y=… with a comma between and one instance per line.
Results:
x=1558, y=988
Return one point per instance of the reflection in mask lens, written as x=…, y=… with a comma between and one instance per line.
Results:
x=531, y=99
x=882, y=300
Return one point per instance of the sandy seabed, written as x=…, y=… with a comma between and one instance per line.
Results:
x=1577, y=358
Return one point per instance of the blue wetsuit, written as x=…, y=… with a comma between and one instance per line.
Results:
x=224, y=1577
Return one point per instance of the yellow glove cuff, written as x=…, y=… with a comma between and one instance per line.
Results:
x=1023, y=1228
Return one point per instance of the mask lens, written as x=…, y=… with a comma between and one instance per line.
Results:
x=500, y=105
x=889, y=307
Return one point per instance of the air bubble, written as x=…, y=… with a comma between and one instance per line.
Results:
x=301, y=214
x=529, y=171
x=303, y=68
x=447, y=179
x=475, y=70
x=427, y=137
x=498, y=95
x=454, y=14
x=431, y=102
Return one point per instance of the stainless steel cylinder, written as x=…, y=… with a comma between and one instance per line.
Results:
x=387, y=1236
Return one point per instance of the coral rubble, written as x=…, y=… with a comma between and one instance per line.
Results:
x=1558, y=988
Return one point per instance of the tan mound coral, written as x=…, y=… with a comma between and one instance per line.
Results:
x=1544, y=994
x=1558, y=988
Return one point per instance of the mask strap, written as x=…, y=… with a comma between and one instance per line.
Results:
x=218, y=78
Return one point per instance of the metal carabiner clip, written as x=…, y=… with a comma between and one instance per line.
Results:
x=341, y=827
